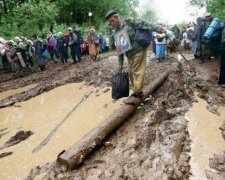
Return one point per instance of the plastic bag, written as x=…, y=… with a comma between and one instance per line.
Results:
x=45, y=54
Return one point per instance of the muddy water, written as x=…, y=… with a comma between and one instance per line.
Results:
x=206, y=137
x=16, y=91
x=40, y=115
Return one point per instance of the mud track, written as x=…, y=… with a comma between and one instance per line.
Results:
x=154, y=142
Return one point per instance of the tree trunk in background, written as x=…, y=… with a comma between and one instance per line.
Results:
x=4, y=6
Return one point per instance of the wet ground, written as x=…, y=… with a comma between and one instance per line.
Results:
x=64, y=115
x=161, y=140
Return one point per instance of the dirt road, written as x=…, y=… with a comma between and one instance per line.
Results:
x=155, y=142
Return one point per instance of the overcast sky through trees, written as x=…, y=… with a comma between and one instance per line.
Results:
x=173, y=11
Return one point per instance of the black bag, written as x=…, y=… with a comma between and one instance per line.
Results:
x=143, y=37
x=160, y=39
x=120, y=85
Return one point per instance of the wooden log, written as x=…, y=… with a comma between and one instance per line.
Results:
x=77, y=152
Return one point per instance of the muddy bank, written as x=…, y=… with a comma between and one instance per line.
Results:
x=57, y=75
x=60, y=117
x=217, y=163
x=154, y=142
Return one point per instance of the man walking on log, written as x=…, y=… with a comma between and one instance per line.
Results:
x=139, y=33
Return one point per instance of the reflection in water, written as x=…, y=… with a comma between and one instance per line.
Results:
x=205, y=135
x=41, y=115
x=16, y=91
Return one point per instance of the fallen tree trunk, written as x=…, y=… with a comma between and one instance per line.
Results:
x=77, y=152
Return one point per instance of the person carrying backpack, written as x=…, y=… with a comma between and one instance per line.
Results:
x=40, y=47
x=176, y=31
x=205, y=49
x=196, y=49
x=73, y=41
x=139, y=33
x=63, y=47
x=52, y=44
x=77, y=45
x=217, y=46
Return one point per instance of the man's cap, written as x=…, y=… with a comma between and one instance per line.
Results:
x=208, y=15
x=110, y=13
x=60, y=34
x=70, y=29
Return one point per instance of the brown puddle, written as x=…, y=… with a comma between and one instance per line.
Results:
x=206, y=137
x=41, y=115
x=16, y=91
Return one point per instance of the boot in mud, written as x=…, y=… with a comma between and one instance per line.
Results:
x=134, y=99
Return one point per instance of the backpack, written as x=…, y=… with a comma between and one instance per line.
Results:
x=143, y=37
x=217, y=39
x=79, y=36
x=216, y=36
x=191, y=34
x=52, y=43
x=74, y=38
x=96, y=39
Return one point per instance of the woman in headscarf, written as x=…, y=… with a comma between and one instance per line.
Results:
x=93, y=41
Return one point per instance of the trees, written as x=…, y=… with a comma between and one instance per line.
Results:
x=216, y=7
x=24, y=17
x=8, y=5
x=28, y=18
x=201, y=3
x=76, y=11
x=148, y=12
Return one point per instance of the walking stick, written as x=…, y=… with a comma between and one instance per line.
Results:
x=176, y=49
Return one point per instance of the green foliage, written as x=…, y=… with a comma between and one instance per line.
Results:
x=76, y=11
x=28, y=19
x=181, y=25
x=25, y=17
x=148, y=12
x=201, y=3
x=215, y=7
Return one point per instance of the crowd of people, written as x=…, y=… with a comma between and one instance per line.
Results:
x=22, y=52
x=130, y=38
x=191, y=37
x=194, y=37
